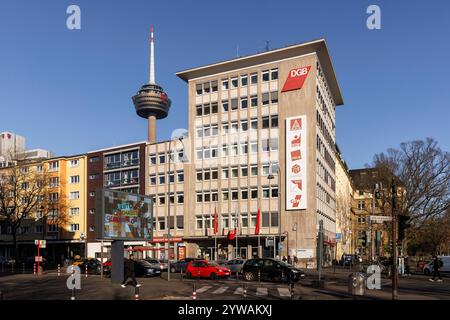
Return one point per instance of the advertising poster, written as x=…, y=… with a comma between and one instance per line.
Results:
x=296, y=163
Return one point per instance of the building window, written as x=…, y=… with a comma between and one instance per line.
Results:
x=161, y=223
x=265, y=75
x=244, y=103
x=254, y=193
x=38, y=229
x=199, y=153
x=254, y=123
x=74, y=195
x=180, y=222
x=274, y=192
x=244, y=171
x=74, y=163
x=265, y=122
x=199, y=197
x=244, y=80
x=266, y=192
x=225, y=173
x=225, y=84
x=162, y=200
x=199, y=89
x=274, y=74
x=214, y=174
x=74, y=211
x=199, y=222
x=274, y=219
x=206, y=87
x=206, y=197
x=265, y=98
x=225, y=221
x=361, y=205
x=254, y=101
x=225, y=195
x=180, y=176
x=199, y=110
x=234, y=83
x=274, y=97
x=206, y=109
x=214, y=86
x=244, y=148
x=93, y=176
x=214, y=108
x=162, y=179
x=234, y=172
x=234, y=104
x=244, y=220
x=54, y=166
x=254, y=78
x=74, y=227
x=253, y=220
x=75, y=179
x=254, y=170
x=94, y=159
x=274, y=121
x=91, y=228
x=153, y=159
x=171, y=177
x=39, y=168
x=162, y=158
x=234, y=127
x=224, y=105
x=265, y=219
x=244, y=194
x=53, y=228
x=214, y=196
x=234, y=194
x=152, y=180
x=244, y=125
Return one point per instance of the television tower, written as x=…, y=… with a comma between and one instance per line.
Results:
x=151, y=102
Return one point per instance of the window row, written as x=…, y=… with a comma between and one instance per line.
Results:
x=323, y=150
x=122, y=159
x=242, y=220
x=162, y=198
x=233, y=83
x=234, y=104
x=161, y=178
x=119, y=178
x=328, y=138
x=163, y=157
x=237, y=194
x=235, y=149
x=159, y=223
x=211, y=130
x=325, y=175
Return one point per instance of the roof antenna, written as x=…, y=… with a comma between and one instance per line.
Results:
x=237, y=51
x=267, y=45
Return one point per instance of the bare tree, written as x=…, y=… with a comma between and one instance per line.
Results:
x=26, y=194
x=423, y=171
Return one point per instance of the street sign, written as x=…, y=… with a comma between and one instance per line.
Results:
x=380, y=219
x=41, y=243
x=280, y=246
x=269, y=242
x=338, y=236
x=38, y=258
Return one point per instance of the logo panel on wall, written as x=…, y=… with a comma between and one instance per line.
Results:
x=296, y=163
x=296, y=78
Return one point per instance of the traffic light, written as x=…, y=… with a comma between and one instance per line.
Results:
x=364, y=238
x=402, y=226
x=377, y=191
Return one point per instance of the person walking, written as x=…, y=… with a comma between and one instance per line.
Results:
x=437, y=265
x=129, y=273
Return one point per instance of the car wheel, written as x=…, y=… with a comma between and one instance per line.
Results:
x=213, y=276
x=427, y=272
x=188, y=275
x=249, y=276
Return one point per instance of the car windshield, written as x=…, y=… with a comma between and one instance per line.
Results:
x=213, y=264
x=144, y=263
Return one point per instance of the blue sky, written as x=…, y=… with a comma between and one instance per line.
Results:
x=70, y=91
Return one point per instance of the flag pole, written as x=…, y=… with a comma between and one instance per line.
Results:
x=236, y=232
x=215, y=234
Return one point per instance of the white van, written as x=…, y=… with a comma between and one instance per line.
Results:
x=428, y=269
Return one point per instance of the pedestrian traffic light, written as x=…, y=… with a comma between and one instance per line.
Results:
x=402, y=226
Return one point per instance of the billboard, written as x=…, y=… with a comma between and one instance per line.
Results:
x=123, y=216
x=296, y=184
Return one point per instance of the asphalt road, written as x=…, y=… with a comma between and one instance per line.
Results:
x=50, y=286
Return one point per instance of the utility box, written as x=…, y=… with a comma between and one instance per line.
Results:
x=356, y=284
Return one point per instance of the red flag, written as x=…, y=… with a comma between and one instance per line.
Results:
x=231, y=235
x=216, y=222
x=258, y=222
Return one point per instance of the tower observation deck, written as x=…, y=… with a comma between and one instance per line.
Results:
x=151, y=102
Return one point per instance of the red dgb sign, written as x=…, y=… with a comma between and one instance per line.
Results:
x=296, y=78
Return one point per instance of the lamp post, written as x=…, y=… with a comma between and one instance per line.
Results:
x=168, y=206
x=271, y=177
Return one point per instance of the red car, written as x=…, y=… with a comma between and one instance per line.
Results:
x=206, y=269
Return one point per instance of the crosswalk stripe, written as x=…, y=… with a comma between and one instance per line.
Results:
x=239, y=290
x=220, y=290
x=261, y=291
x=203, y=289
x=284, y=292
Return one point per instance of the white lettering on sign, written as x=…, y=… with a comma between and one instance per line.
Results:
x=299, y=72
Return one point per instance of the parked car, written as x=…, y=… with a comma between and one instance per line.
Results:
x=157, y=264
x=180, y=265
x=93, y=266
x=143, y=268
x=428, y=268
x=271, y=270
x=350, y=259
x=234, y=265
x=206, y=269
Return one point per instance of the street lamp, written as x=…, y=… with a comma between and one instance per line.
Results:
x=168, y=206
x=270, y=177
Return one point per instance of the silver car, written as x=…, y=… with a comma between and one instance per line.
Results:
x=157, y=264
x=234, y=265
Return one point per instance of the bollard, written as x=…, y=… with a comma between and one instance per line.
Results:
x=86, y=270
x=259, y=275
x=34, y=269
x=136, y=293
x=59, y=269
x=194, y=292
x=23, y=267
x=73, y=289
x=1, y=295
x=244, y=293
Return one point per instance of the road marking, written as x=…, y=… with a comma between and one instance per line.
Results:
x=261, y=291
x=203, y=289
x=220, y=290
x=239, y=290
x=284, y=292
